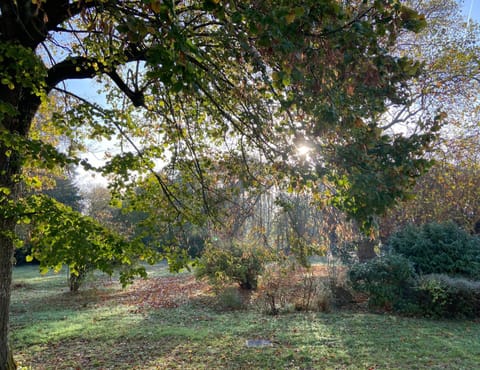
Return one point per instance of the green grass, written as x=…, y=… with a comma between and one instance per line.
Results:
x=95, y=329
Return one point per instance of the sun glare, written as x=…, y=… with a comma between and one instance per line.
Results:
x=303, y=150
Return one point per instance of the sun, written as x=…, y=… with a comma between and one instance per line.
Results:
x=303, y=150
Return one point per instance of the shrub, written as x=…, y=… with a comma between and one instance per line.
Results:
x=336, y=271
x=346, y=252
x=275, y=287
x=288, y=286
x=443, y=296
x=388, y=280
x=312, y=293
x=439, y=248
x=223, y=263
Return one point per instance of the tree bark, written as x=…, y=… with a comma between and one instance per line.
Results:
x=366, y=249
x=6, y=269
x=77, y=280
x=27, y=24
x=10, y=166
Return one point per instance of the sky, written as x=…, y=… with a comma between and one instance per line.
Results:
x=471, y=9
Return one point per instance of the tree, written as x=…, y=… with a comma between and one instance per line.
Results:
x=66, y=191
x=62, y=236
x=194, y=79
x=99, y=205
x=62, y=189
x=449, y=83
x=300, y=225
x=450, y=191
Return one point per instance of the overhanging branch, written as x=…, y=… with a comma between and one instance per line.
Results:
x=171, y=198
x=136, y=97
x=74, y=68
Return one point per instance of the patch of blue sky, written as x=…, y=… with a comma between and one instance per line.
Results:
x=471, y=9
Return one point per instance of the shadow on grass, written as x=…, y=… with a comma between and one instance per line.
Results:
x=85, y=353
x=153, y=326
x=29, y=299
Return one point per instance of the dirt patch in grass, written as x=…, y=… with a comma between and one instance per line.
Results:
x=19, y=286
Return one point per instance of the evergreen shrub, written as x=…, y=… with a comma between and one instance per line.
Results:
x=442, y=296
x=439, y=249
x=388, y=280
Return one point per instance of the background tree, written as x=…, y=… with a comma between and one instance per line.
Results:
x=449, y=80
x=189, y=79
x=62, y=236
x=449, y=83
x=64, y=191
x=450, y=191
x=67, y=192
x=299, y=226
x=99, y=205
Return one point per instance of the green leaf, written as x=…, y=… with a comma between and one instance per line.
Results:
x=6, y=191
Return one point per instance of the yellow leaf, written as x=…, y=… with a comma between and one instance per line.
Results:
x=290, y=17
x=29, y=258
x=156, y=6
x=5, y=191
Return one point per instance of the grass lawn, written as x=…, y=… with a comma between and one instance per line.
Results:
x=169, y=322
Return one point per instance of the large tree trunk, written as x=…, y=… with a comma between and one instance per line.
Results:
x=24, y=24
x=6, y=267
x=10, y=167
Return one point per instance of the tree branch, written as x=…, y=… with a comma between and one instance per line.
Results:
x=70, y=69
x=171, y=198
x=58, y=12
x=136, y=97
x=74, y=68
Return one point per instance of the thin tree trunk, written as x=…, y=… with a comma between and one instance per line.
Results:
x=366, y=249
x=76, y=281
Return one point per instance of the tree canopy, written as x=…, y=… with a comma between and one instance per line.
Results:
x=193, y=83
x=449, y=83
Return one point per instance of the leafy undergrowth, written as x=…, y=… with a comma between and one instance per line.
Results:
x=171, y=322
